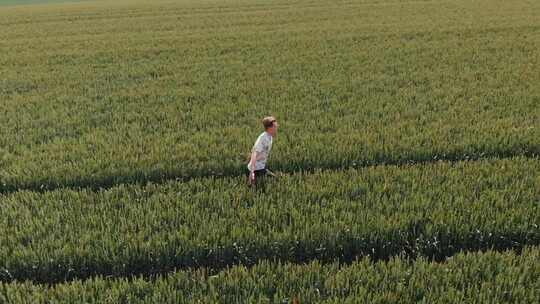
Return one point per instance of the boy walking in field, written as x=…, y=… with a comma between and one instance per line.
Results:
x=261, y=151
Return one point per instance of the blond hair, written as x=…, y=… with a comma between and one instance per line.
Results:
x=268, y=122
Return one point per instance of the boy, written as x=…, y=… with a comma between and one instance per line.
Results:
x=261, y=150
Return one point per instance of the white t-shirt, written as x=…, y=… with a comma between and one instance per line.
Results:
x=263, y=145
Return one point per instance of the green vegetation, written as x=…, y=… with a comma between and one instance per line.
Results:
x=409, y=142
x=107, y=93
x=466, y=278
x=434, y=211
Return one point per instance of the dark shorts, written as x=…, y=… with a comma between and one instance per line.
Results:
x=260, y=173
x=259, y=176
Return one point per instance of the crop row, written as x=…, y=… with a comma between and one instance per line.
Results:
x=432, y=210
x=99, y=95
x=488, y=277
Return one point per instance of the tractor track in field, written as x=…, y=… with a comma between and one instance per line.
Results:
x=403, y=253
x=161, y=177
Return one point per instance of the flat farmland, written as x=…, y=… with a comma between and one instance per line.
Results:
x=103, y=93
x=409, y=143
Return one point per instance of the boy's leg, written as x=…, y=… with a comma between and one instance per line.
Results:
x=270, y=173
x=260, y=176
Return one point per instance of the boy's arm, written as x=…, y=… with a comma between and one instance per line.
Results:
x=257, y=149
x=252, y=162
